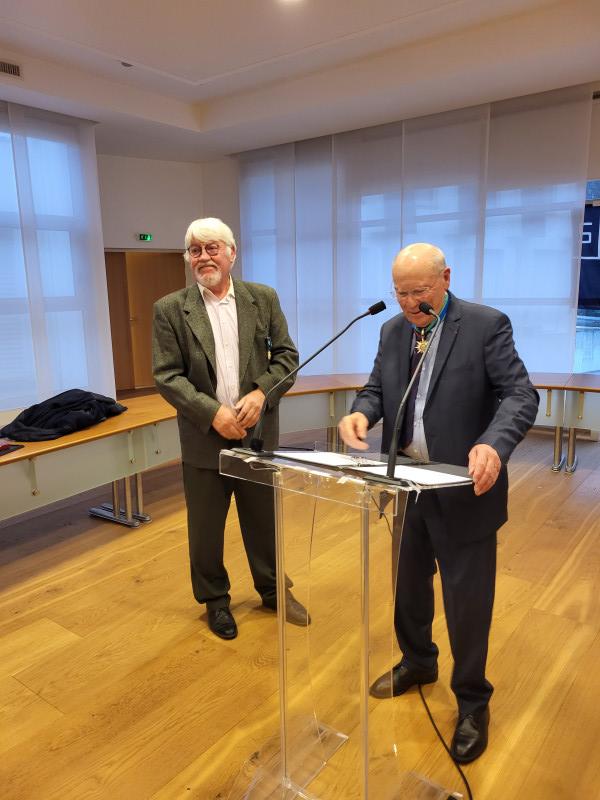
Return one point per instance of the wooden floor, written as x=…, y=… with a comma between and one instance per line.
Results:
x=111, y=685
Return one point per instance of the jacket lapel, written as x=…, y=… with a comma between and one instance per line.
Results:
x=196, y=317
x=403, y=355
x=247, y=314
x=447, y=339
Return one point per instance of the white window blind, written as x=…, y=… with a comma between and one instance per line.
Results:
x=499, y=187
x=54, y=324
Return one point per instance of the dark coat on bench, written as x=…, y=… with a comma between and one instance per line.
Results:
x=64, y=413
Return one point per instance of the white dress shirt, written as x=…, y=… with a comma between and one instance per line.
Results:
x=223, y=319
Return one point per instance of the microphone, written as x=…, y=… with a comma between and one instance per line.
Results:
x=256, y=443
x=424, y=308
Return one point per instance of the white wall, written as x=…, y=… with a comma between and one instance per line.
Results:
x=139, y=195
x=221, y=194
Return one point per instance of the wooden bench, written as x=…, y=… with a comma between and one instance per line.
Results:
x=115, y=450
x=118, y=450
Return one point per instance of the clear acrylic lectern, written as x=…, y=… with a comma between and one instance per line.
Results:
x=339, y=524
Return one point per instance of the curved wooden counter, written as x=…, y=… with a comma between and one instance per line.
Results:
x=151, y=409
x=146, y=435
x=143, y=436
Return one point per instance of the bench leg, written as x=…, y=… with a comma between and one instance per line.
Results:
x=571, y=465
x=124, y=516
x=139, y=499
x=559, y=459
x=332, y=438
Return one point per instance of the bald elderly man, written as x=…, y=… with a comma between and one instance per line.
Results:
x=473, y=405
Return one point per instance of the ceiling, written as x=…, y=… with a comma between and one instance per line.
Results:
x=210, y=78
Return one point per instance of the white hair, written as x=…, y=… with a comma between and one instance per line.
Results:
x=208, y=229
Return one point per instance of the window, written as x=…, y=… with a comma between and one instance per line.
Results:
x=498, y=187
x=54, y=327
x=587, y=349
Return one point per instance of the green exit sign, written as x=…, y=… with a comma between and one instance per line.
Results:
x=145, y=237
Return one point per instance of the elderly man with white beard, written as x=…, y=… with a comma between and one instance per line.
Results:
x=219, y=346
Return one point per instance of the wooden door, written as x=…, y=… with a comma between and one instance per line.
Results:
x=149, y=277
x=118, y=307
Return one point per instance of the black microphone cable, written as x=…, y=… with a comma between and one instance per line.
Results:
x=446, y=748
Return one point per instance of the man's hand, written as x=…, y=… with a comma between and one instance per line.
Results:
x=353, y=430
x=484, y=467
x=248, y=408
x=226, y=423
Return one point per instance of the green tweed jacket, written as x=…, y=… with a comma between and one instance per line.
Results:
x=184, y=363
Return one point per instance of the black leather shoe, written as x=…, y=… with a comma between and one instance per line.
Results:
x=295, y=613
x=470, y=737
x=400, y=679
x=222, y=623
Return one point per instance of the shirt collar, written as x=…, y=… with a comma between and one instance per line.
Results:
x=208, y=295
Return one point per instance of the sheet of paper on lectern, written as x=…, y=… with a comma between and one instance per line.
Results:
x=425, y=477
x=325, y=459
x=414, y=474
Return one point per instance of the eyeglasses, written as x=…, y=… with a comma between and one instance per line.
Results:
x=416, y=294
x=211, y=249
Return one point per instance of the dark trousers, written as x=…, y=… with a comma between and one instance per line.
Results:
x=468, y=575
x=208, y=497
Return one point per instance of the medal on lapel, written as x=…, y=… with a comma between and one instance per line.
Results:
x=421, y=342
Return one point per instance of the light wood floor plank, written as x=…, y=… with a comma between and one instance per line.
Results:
x=572, y=745
x=22, y=714
x=33, y=644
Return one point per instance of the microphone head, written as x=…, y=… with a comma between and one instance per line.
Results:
x=426, y=308
x=377, y=307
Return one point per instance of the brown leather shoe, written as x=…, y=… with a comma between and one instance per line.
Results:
x=471, y=736
x=295, y=613
x=399, y=679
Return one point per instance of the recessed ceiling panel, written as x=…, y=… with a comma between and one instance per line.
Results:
x=195, y=42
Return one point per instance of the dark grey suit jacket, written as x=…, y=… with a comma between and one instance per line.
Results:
x=479, y=393
x=185, y=371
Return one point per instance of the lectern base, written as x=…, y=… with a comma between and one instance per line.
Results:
x=309, y=747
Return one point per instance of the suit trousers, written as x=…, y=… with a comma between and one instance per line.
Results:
x=208, y=497
x=468, y=577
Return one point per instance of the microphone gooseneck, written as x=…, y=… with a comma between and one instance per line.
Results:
x=256, y=443
x=424, y=308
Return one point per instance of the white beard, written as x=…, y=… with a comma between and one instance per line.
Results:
x=210, y=279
